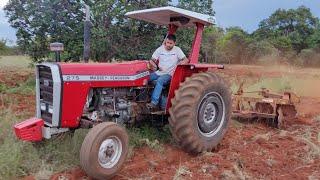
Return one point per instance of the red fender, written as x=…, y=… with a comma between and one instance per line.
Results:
x=184, y=71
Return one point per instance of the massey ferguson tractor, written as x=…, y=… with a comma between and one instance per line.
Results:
x=106, y=97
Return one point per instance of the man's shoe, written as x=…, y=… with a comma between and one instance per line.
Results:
x=151, y=106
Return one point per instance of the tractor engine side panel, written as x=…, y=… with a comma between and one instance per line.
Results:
x=75, y=94
x=78, y=80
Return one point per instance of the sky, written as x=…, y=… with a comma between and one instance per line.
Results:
x=248, y=13
x=243, y=13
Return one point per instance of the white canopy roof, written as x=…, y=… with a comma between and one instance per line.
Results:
x=171, y=15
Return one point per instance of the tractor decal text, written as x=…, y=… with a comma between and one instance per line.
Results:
x=104, y=77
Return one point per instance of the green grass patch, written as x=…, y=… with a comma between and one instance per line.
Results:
x=3, y=88
x=149, y=135
x=25, y=88
x=19, y=158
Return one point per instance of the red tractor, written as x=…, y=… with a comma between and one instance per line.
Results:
x=108, y=96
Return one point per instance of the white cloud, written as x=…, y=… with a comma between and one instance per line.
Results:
x=3, y=3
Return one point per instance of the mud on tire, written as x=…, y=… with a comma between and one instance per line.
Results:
x=104, y=150
x=200, y=112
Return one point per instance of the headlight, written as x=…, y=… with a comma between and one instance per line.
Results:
x=43, y=106
x=50, y=110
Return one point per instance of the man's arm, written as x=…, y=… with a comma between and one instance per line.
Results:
x=152, y=64
x=182, y=57
x=184, y=61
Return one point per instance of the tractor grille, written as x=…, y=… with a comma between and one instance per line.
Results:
x=46, y=93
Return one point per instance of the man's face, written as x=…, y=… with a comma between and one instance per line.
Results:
x=169, y=44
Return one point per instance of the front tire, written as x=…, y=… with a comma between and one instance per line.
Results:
x=200, y=112
x=104, y=150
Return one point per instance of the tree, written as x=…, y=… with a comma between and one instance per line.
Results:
x=185, y=36
x=200, y=6
x=3, y=47
x=115, y=36
x=210, y=51
x=41, y=22
x=234, y=45
x=259, y=49
x=292, y=26
x=314, y=39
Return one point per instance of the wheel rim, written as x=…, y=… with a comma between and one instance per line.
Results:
x=211, y=114
x=110, y=152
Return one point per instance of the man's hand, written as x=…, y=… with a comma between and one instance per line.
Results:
x=152, y=65
x=184, y=61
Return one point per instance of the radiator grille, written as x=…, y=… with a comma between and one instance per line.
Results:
x=46, y=93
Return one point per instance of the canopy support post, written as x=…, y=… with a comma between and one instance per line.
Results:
x=194, y=55
x=172, y=29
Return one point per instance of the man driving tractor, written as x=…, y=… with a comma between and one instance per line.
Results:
x=164, y=61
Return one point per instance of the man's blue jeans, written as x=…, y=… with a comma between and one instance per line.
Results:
x=162, y=81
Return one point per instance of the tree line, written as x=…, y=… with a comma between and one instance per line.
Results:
x=6, y=50
x=291, y=36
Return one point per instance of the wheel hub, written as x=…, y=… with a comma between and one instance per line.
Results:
x=109, y=152
x=211, y=113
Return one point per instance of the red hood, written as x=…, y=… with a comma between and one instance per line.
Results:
x=125, y=68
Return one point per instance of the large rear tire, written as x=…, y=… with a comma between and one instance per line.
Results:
x=104, y=150
x=200, y=112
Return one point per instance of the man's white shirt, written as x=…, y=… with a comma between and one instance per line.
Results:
x=168, y=60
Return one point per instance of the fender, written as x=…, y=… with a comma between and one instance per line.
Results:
x=184, y=71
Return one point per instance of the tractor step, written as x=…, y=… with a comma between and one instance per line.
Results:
x=158, y=113
x=29, y=130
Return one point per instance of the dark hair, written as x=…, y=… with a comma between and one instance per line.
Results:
x=172, y=37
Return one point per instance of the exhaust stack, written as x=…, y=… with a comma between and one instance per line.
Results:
x=86, y=36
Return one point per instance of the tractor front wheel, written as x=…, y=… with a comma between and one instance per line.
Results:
x=200, y=112
x=104, y=150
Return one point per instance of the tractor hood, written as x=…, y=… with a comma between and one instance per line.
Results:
x=124, y=70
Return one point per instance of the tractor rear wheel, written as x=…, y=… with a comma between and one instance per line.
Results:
x=200, y=112
x=104, y=150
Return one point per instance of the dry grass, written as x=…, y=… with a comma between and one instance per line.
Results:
x=19, y=158
x=181, y=172
x=18, y=62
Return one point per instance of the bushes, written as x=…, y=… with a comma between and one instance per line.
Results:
x=308, y=58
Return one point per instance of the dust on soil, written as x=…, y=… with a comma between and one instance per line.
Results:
x=249, y=149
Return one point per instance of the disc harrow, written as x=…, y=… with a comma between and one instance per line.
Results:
x=263, y=105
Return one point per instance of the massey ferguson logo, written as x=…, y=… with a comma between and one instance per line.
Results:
x=110, y=78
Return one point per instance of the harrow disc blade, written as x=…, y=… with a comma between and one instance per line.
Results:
x=284, y=113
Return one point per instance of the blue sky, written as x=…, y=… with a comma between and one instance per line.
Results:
x=244, y=13
x=248, y=13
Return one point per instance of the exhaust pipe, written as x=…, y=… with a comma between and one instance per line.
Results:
x=87, y=36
